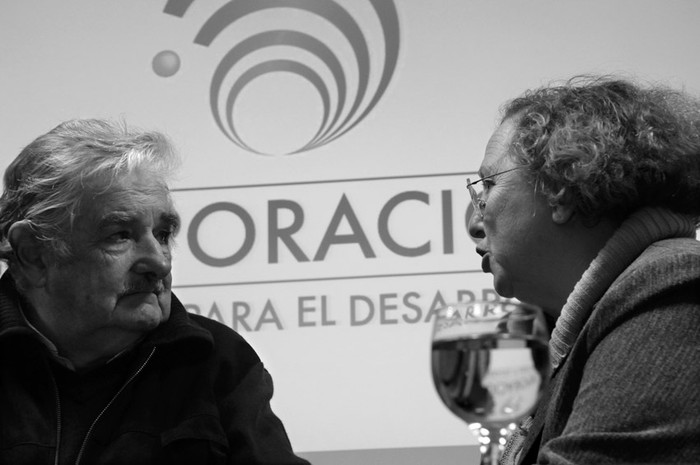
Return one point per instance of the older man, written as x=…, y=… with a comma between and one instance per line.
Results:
x=99, y=361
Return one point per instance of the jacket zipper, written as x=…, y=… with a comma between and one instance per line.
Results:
x=59, y=421
x=92, y=426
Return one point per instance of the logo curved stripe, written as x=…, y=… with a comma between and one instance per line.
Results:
x=275, y=66
x=327, y=9
x=280, y=37
x=177, y=7
x=347, y=108
x=389, y=19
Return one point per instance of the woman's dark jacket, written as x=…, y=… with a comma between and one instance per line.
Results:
x=629, y=391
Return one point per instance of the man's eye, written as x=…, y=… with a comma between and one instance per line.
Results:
x=487, y=183
x=164, y=237
x=119, y=236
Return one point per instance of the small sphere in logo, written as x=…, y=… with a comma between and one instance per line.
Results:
x=166, y=63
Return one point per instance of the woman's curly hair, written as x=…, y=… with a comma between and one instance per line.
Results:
x=609, y=147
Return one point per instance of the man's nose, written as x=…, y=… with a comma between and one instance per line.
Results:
x=153, y=257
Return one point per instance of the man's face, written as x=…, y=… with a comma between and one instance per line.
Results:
x=118, y=280
x=513, y=237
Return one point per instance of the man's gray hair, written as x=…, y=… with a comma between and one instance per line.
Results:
x=49, y=181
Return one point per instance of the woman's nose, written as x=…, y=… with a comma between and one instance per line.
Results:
x=475, y=225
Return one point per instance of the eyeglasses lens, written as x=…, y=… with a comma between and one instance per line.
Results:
x=475, y=193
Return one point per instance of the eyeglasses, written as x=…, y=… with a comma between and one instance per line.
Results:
x=477, y=201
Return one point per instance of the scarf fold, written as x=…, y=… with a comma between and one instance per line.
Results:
x=641, y=229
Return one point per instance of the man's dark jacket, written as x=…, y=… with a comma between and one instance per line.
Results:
x=193, y=392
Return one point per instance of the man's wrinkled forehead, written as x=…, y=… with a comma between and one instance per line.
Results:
x=126, y=201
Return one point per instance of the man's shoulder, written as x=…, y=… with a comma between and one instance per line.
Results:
x=226, y=341
x=217, y=329
x=185, y=323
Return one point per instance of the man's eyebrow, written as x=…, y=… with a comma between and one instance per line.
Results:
x=169, y=219
x=116, y=218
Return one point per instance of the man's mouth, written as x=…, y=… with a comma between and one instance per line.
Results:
x=154, y=288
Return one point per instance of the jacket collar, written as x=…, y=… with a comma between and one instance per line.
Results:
x=179, y=329
x=12, y=322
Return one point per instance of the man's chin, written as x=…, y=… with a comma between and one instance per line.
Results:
x=148, y=317
x=144, y=312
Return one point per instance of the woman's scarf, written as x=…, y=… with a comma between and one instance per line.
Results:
x=641, y=229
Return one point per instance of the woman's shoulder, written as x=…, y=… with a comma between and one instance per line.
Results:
x=667, y=271
x=664, y=263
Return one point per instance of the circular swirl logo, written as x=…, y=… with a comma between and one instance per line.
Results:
x=345, y=74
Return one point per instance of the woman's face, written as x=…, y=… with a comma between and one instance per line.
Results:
x=516, y=233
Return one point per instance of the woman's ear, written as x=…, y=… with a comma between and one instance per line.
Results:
x=561, y=214
x=28, y=252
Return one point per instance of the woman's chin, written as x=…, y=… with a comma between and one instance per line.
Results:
x=502, y=286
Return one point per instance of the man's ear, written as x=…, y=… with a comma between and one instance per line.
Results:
x=28, y=252
x=561, y=214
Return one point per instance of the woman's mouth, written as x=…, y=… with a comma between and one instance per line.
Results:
x=485, y=265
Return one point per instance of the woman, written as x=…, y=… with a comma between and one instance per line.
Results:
x=589, y=205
